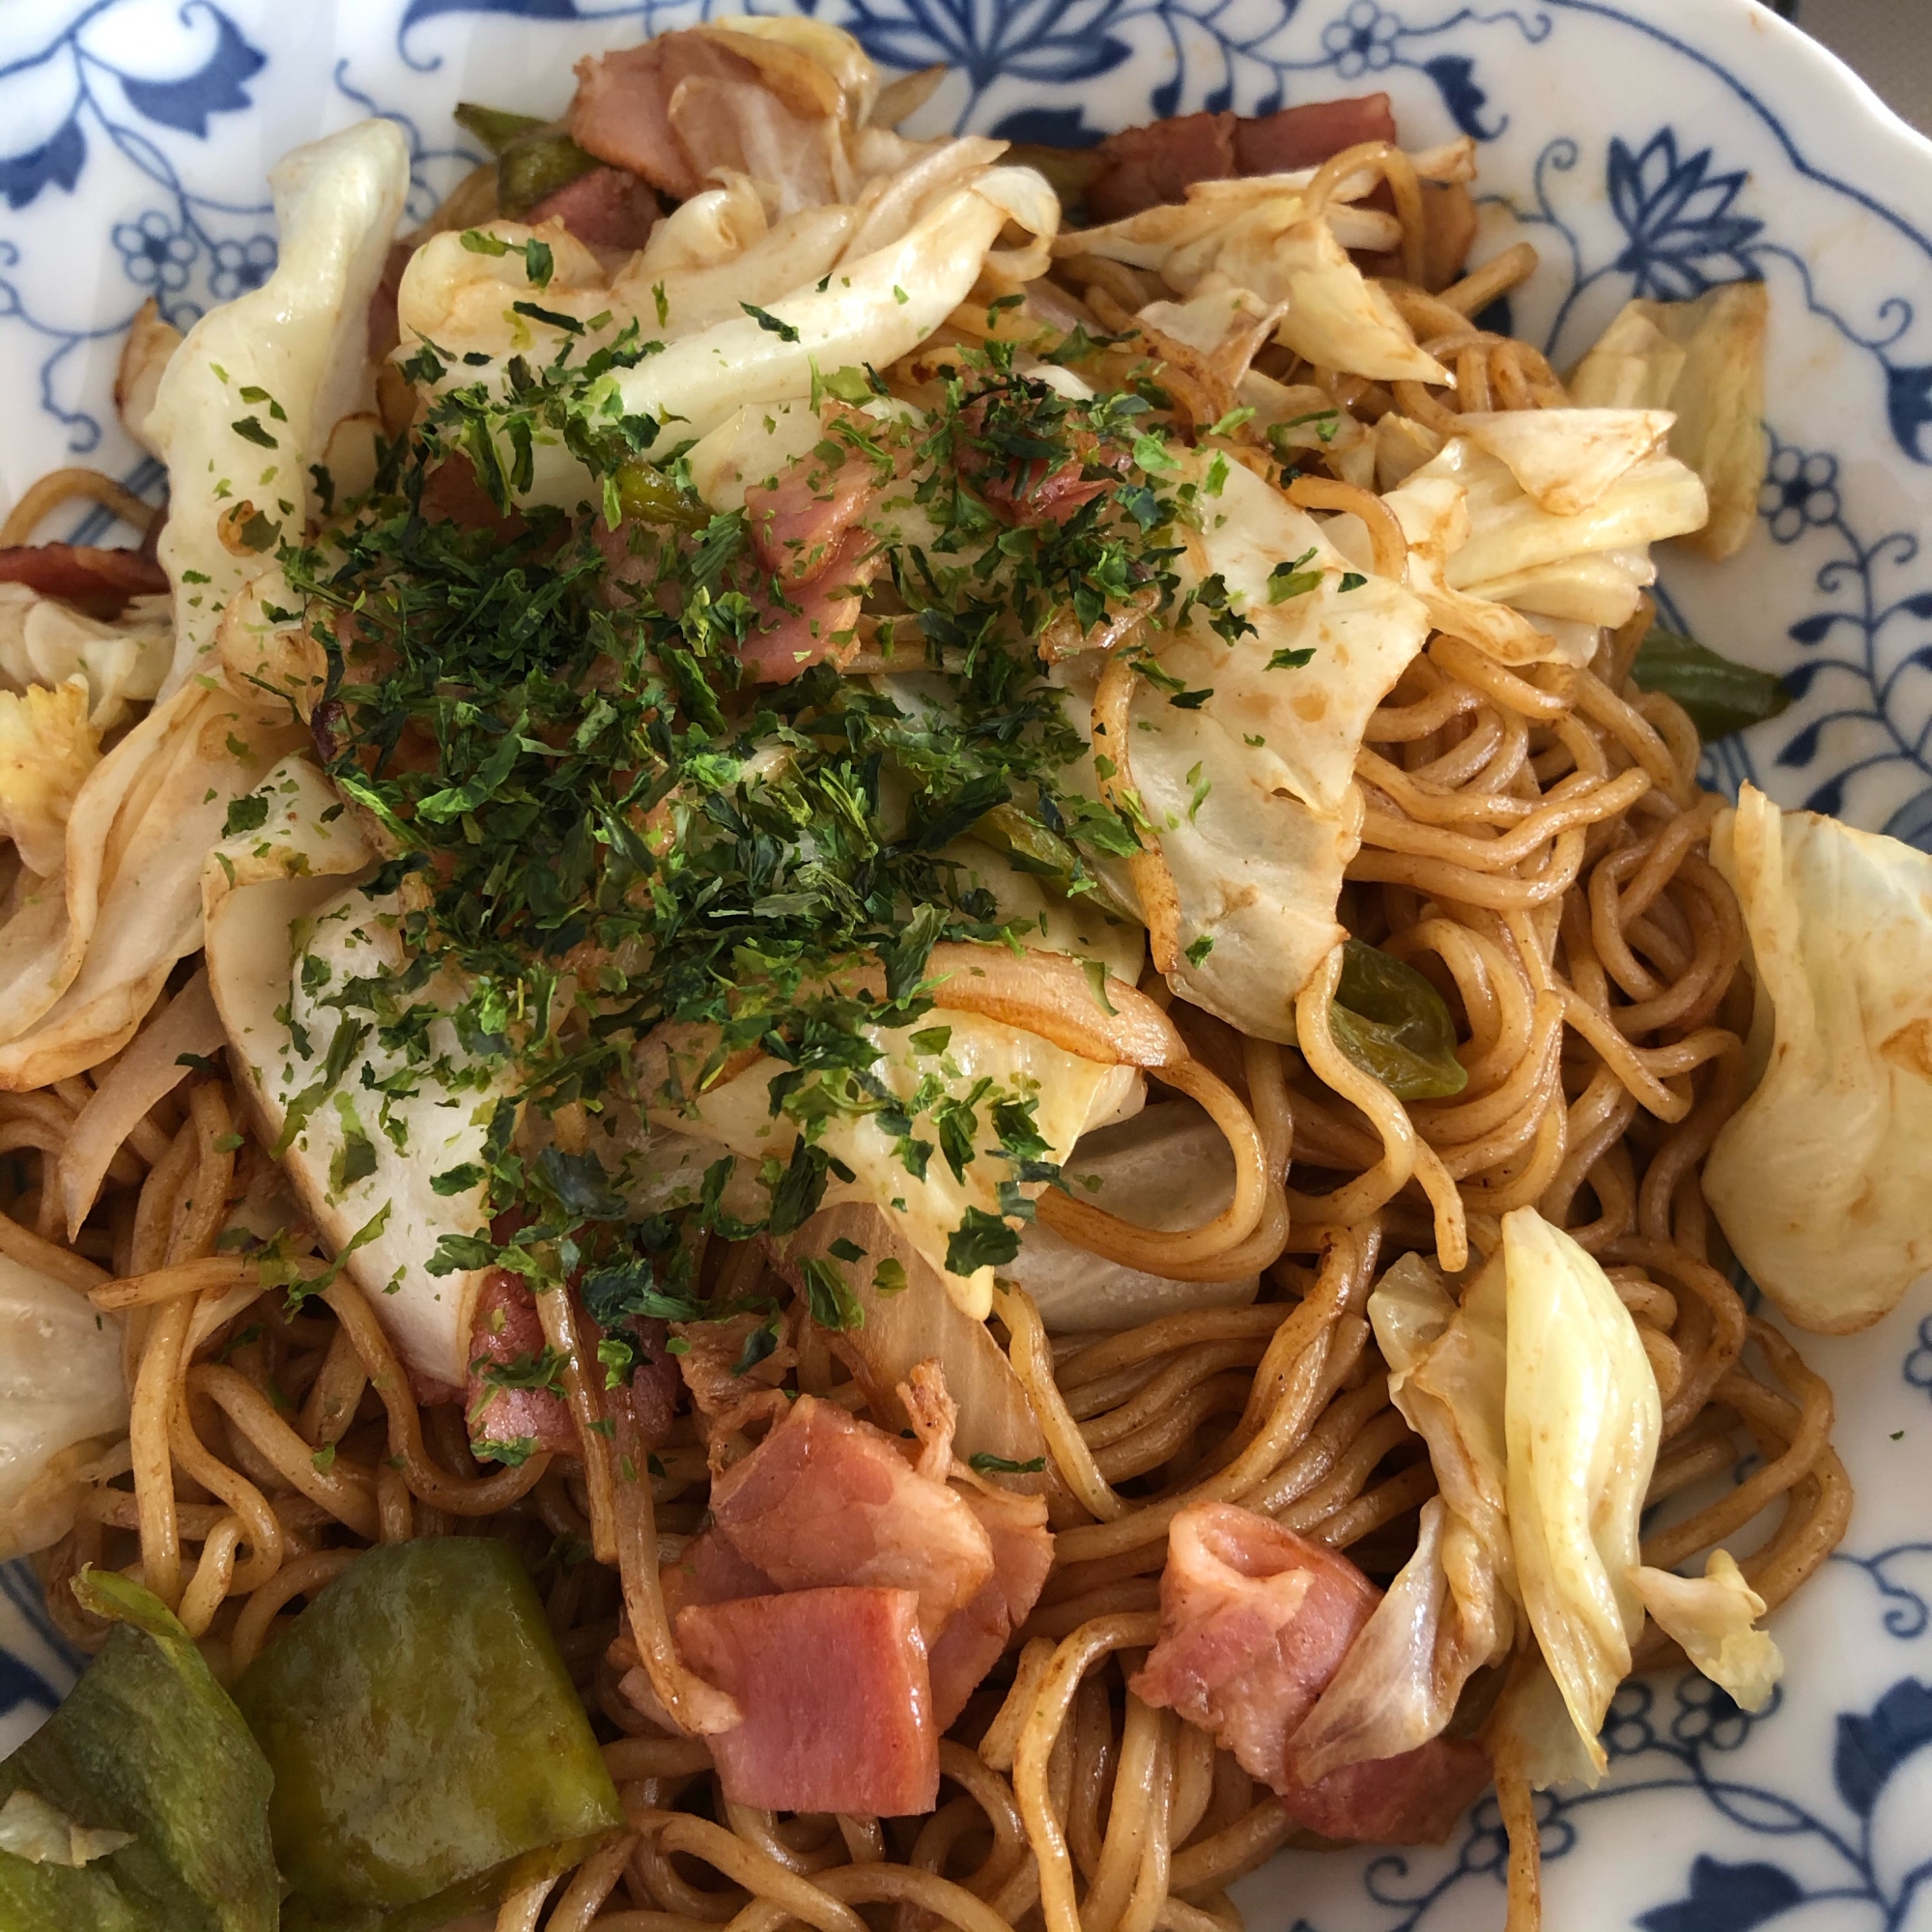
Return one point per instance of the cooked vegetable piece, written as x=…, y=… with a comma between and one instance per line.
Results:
x=1393, y=1024
x=1819, y=1180
x=646, y=493
x=429, y=1751
x=62, y=1402
x=1718, y=696
x=1704, y=361
x=146, y=1744
x=535, y=165
x=494, y=126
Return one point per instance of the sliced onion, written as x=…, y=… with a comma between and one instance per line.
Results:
x=920, y=1321
x=1167, y=1168
x=1053, y=995
x=148, y=1072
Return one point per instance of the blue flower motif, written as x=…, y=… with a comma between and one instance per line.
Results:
x=1627, y=1729
x=1726, y=1898
x=1364, y=38
x=242, y=266
x=1708, y=1716
x=1918, y=1364
x=1800, y=492
x=1049, y=41
x=156, y=252
x=1678, y=216
x=1873, y=1746
x=65, y=77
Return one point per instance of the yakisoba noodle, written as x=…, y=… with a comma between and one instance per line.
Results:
x=1535, y=838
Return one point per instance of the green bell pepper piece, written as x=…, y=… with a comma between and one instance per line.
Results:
x=535, y=165
x=649, y=495
x=1393, y=1024
x=147, y=1743
x=1718, y=696
x=429, y=1751
x=494, y=126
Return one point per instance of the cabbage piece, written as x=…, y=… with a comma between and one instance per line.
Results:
x=1336, y=317
x=910, y=1319
x=1820, y=1178
x=247, y=401
x=282, y=937
x=1257, y=875
x=926, y=234
x=43, y=1835
x=956, y=1218
x=84, y=956
x=1080, y=927
x=1485, y=553
x=47, y=748
x=1567, y=459
x=60, y=1394
x=1451, y=1609
x=1168, y=1167
x=1299, y=417
x=1359, y=631
x=1715, y=1618
x=1258, y=237
x=1582, y=1420
x=1703, y=360
x=46, y=641
x=1242, y=754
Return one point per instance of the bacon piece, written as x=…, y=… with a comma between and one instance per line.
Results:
x=825, y=1499
x=1254, y=1622
x=710, y=1572
x=709, y=1365
x=973, y=1642
x=1414, y=1799
x=97, y=581
x=1146, y=167
x=655, y=1384
x=506, y=1328
x=607, y=208
x=452, y=495
x=800, y=522
x=818, y=621
x=1307, y=135
x=837, y=1706
x=622, y=111
x=1037, y=495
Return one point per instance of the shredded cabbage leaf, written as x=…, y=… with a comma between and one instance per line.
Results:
x=978, y=1064
x=1542, y=1416
x=365, y=1162
x=46, y=641
x=1498, y=566
x=1715, y=1618
x=1819, y=1180
x=85, y=954
x=1247, y=784
x=247, y=401
x=1581, y=1419
x=1703, y=360
x=61, y=1394
x=48, y=747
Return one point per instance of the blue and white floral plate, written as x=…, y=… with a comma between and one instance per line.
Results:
x=1648, y=148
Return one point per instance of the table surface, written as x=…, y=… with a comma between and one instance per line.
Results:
x=1887, y=42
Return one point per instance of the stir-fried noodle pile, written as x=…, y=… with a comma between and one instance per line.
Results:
x=1533, y=838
